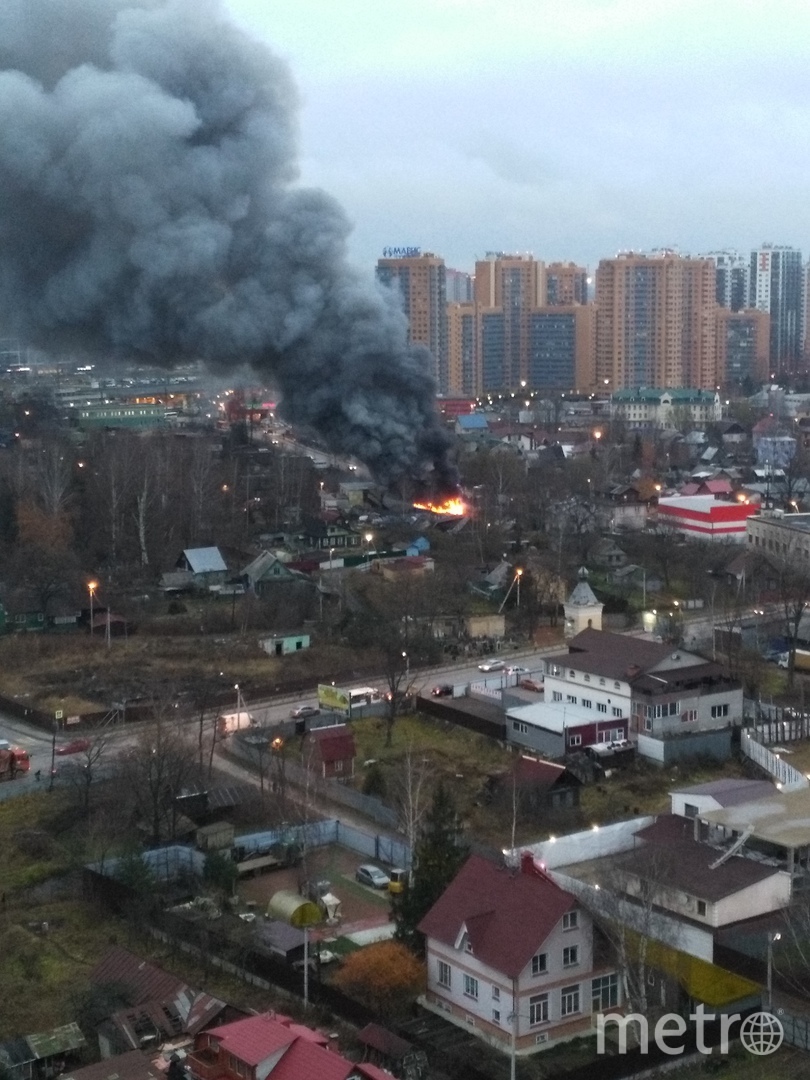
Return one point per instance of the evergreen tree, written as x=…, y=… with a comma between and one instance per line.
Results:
x=437, y=857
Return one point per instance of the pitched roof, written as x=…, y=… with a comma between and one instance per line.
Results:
x=334, y=743
x=254, y=1039
x=384, y=1041
x=673, y=858
x=601, y=652
x=207, y=560
x=507, y=914
x=58, y=1040
x=532, y=772
x=144, y=980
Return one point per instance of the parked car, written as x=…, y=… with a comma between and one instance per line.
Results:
x=445, y=690
x=372, y=876
x=536, y=685
x=300, y=712
x=492, y=665
x=76, y=746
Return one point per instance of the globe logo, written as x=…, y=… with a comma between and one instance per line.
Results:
x=761, y=1033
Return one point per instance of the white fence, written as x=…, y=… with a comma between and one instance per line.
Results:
x=790, y=779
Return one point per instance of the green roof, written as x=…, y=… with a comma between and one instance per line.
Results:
x=57, y=1041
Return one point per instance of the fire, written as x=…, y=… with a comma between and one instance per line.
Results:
x=452, y=507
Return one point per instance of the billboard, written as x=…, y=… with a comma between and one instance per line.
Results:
x=332, y=697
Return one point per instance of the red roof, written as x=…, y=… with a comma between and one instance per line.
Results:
x=508, y=914
x=536, y=773
x=254, y=1039
x=300, y=1052
x=334, y=743
x=717, y=487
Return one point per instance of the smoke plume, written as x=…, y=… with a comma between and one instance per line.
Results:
x=148, y=209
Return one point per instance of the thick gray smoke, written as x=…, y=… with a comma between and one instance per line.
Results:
x=148, y=209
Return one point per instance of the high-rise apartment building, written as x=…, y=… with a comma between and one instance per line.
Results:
x=561, y=347
x=421, y=279
x=732, y=277
x=743, y=343
x=463, y=376
x=655, y=322
x=565, y=283
x=507, y=288
x=459, y=286
x=776, y=287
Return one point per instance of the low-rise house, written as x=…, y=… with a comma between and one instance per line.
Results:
x=330, y=752
x=41, y=1056
x=267, y=570
x=675, y=703
x=697, y=799
x=510, y=957
x=273, y=1047
x=537, y=785
x=196, y=568
x=704, y=517
x=325, y=535
x=160, y=1006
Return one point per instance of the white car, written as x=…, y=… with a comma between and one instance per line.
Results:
x=372, y=876
x=492, y=665
x=517, y=671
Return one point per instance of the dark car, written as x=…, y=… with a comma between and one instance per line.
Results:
x=535, y=685
x=77, y=746
x=303, y=711
x=445, y=690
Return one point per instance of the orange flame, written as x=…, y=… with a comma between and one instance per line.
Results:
x=451, y=507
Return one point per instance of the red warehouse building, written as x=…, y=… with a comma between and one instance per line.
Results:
x=703, y=517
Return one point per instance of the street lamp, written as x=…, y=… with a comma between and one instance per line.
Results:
x=518, y=576
x=407, y=660
x=91, y=588
x=771, y=939
x=368, y=538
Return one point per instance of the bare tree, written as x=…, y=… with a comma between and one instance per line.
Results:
x=411, y=792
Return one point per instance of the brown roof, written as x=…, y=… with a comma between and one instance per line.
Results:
x=675, y=678
x=145, y=981
x=507, y=913
x=686, y=864
x=384, y=1041
x=334, y=743
x=134, y=1065
x=532, y=772
x=601, y=652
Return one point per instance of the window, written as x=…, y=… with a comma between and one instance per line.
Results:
x=496, y=993
x=575, y=740
x=338, y=766
x=539, y=964
x=605, y=992
x=601, y=682
x=719, y=710
x=587, y=678
x=689, y=716
x=701, y=907
x=572, y=674
x=600, y=707
x=569, y=1000
x=496, y=1016
x=470, y=987
x=571, y=956
x=520, y=726
x=538, y=1009
x=445, y=975
x=571, y=699
x=648, y=724
x=655, y=712
x=617, y=686
x=587, y=703
x=570, y=920
x=467, y=945
x=690, y=810
x=616, y=712
x=556, y=695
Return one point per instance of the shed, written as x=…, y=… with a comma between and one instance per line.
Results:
x=290, y=907
x=332, y=751
x=215, y=837
x=284, y=642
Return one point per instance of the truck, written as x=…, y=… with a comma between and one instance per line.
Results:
x=227, y=723
x=14, y=761
x=802, y=662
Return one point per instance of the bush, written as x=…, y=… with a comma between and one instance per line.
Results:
x=386, y=977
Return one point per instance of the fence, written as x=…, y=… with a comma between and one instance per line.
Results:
x=790, y=779
x=797, y=1029
x=332, y=790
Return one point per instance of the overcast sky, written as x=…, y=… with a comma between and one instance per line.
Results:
x=568, y=128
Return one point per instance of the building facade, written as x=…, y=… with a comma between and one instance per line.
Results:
x=655, y=322
x=463, y=375
x=743, y=346
x=776, y=288
x=646, y=407
x=421, y=280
